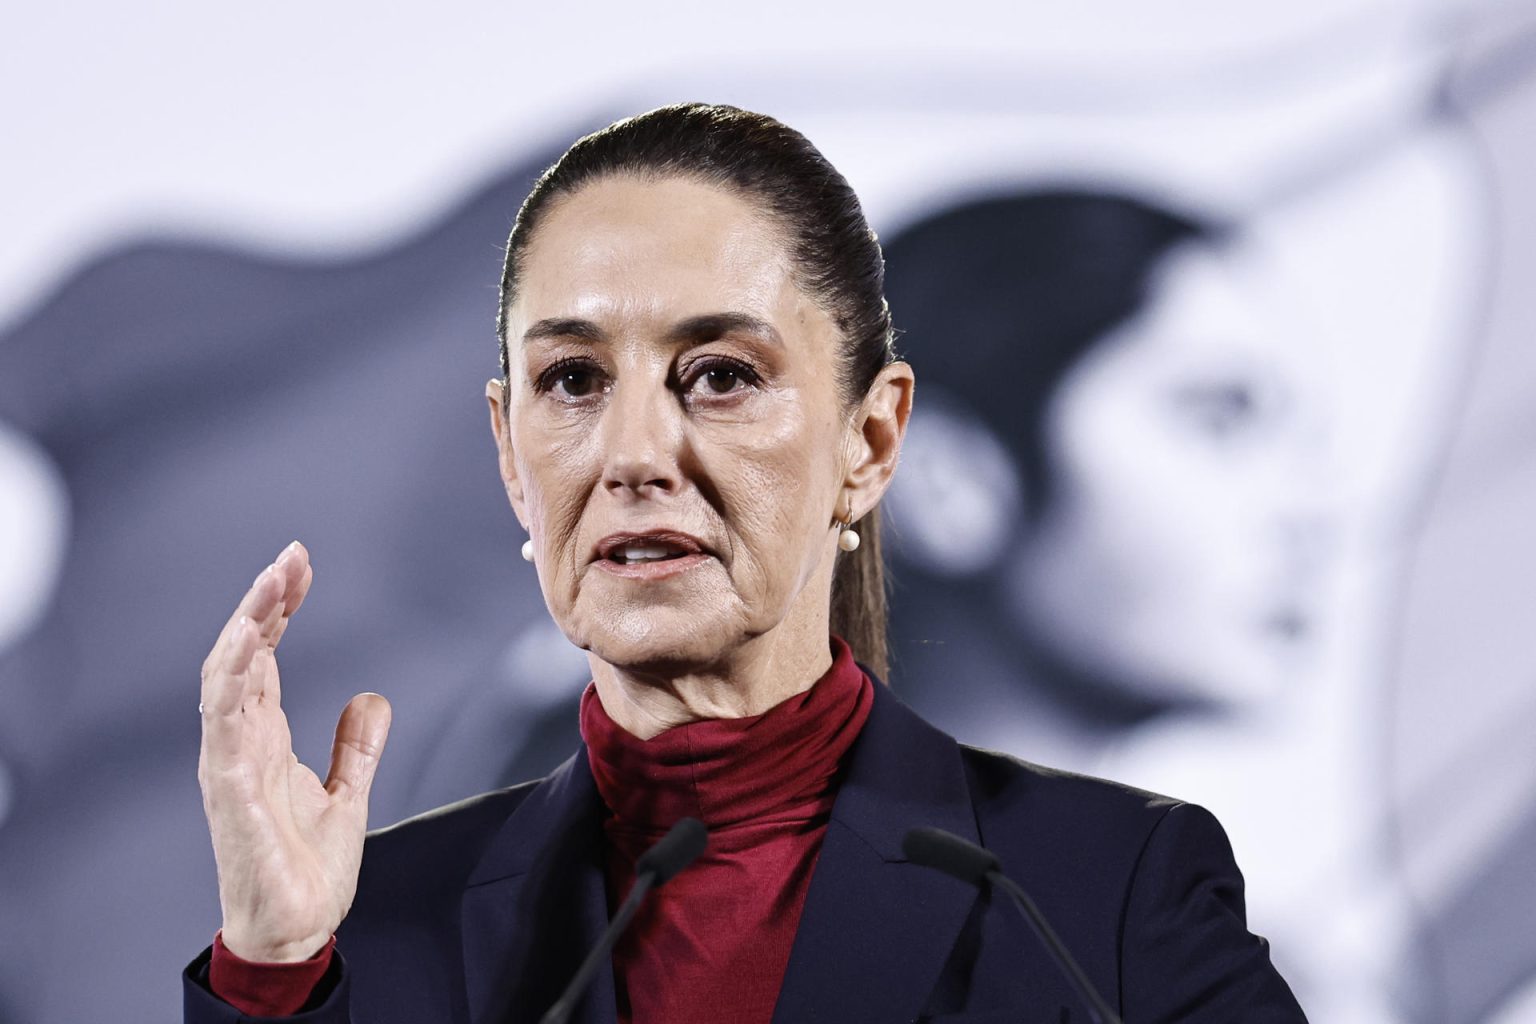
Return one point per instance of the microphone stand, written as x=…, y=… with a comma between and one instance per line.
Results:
x=561, y=1011
x=677, y=849
x=958, y=858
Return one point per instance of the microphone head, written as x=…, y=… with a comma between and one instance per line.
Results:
x=947, y=852
x=677, y=849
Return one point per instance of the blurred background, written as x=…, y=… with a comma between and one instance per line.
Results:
x=1222, y=479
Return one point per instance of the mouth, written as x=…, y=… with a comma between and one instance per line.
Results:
x=1289, y=625
x=647, y=547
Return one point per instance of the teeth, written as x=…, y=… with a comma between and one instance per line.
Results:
x=645, y=553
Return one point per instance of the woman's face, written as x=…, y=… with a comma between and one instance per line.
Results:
x=1175, y=555
x=674, y=438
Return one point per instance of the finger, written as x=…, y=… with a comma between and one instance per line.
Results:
x=293, y=566
x=264, y=600
x=293, y=596
x=226, y=672
x=286, y=569
x=360, y=736
x=294, y=561
x=257, y=602
x=292, y=569
x=223, y=694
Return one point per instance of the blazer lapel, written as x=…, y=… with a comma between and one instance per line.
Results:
x=876, y=931
x=536, y=903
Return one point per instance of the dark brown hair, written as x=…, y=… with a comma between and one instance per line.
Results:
x=836, y=260
x=1034, y=281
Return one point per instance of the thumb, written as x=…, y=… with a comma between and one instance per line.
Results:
x=360, y=735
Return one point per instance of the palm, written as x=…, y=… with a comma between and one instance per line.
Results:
x=288, y=846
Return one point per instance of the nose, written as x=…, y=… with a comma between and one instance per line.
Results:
x=1304, y=516
x=641, y=438
x=1307, y=542
x=1308, y=511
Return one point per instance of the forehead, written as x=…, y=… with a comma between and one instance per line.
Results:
x=627, y=247
x=1204, y=307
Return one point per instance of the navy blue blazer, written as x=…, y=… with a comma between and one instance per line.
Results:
x=479, y=912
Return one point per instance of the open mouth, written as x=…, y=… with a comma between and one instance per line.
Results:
x=647, y=547
x=631, y=554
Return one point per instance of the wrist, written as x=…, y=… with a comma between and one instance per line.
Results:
x=255, y=951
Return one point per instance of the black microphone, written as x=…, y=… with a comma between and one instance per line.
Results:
x=677, y=849
x=958, y=858
x=674, y=851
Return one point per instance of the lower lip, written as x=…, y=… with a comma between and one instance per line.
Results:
x=1289, y=625
x=658, y=570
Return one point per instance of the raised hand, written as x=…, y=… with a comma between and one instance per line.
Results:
x=288, y=847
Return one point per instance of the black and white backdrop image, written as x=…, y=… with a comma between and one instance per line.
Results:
x=1221, y=480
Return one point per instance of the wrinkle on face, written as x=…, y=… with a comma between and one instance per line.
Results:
x=757, y=477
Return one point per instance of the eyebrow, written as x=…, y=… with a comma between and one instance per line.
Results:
x=696, y=330
x=565, y=327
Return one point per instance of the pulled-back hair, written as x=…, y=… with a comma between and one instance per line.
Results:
x=1033, y=281
x=835, y=260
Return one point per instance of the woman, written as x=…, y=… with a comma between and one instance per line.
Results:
x=1142, y=539
x=699, y=404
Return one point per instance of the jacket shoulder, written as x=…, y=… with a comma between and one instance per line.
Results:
x=995, y=775
x=1142, y=885
x=1017, y=802
x=439, y=848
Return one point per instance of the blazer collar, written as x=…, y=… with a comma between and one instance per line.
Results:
x=877, y=930
x=902, y=773
x=874, y=934
x=537, y=902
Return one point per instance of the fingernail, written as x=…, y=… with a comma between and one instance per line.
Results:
x=264, y=573
x=291, y=547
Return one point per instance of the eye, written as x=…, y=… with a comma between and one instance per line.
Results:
x=1219, y=408
x=721, y=380
x=570, y=378
x=715, y=377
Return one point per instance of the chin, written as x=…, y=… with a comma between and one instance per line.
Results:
x=1237, y=662
x=1226, y=677
x=662, y=627
x=663, y=640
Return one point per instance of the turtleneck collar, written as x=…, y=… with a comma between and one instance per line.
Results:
x=777, y=767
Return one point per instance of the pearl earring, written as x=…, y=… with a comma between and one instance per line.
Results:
x=528, y=550
x=846, y=538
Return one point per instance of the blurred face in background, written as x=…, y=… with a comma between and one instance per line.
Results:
x=1174, y=558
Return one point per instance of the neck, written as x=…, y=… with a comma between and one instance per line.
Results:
x=747, y=679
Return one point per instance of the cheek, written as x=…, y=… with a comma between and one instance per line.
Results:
x=1144, y=484
x=1164, y=516
x=558, y=474
x=775, y=483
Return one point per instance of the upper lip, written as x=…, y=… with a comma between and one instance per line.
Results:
x=676, y=539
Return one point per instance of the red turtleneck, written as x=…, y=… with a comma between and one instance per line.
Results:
x=714, y=943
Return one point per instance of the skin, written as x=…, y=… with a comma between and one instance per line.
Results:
x=1182, y=504
x=699, y=394
x=758, y=473
x=288, y=846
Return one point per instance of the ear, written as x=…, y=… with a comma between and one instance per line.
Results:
x=875, y=438
x=960, y=497
x=495, y=395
